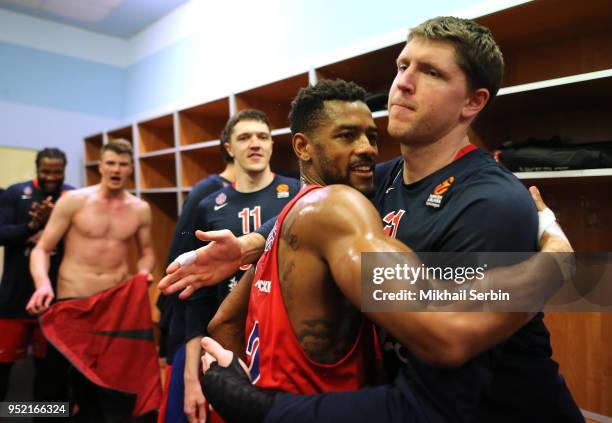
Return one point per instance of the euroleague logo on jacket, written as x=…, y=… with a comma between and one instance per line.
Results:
x=282, y=191
x=435, y=198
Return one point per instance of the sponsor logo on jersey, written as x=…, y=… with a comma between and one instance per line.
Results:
x=282, y=191
x=263, y=286
x=271, y=237
x=220, y=201
x=435, y=198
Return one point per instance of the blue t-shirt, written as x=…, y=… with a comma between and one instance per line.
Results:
x=474, y=204
x=241, y=213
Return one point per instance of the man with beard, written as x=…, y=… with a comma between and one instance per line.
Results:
x=24, y=210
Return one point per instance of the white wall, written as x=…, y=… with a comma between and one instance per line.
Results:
x=37, y=127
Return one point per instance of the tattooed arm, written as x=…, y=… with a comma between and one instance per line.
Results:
x=227, y=327
x=336, y=225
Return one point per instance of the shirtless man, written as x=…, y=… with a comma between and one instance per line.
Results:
x=97, y=224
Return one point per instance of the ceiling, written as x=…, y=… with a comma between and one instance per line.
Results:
x=117, y=18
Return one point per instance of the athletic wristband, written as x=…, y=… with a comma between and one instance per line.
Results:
x=232, y=395
x=187, y=258
x=548, y=223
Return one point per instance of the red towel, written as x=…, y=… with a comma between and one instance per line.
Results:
x=108, y=337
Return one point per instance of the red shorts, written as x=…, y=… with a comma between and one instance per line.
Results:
x=17, y=335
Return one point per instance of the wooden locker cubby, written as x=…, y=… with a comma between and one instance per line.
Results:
x=274, y=99
x=199, y=163
x=92, y=175
x=203, y=123
x=125, y=133
x=93, y=145
x=158, y=171
x=156, y=134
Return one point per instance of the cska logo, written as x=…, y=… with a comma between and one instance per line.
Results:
x=392, y=221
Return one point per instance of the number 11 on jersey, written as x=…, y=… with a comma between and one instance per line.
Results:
x=246, y=214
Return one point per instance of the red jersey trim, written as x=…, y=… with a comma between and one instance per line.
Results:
x=465, y=150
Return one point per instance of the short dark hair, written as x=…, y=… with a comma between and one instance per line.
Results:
x=246, y=114
x=225, y=155
x=478, y=55
x=50, y=153
x=119, y=146
x=307, y=109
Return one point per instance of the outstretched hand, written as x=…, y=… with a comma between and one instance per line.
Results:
x=212, y=263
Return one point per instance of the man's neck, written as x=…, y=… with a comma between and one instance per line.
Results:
x=228, y=173
x=253, y=181
x=107, y=194
x=421, y=160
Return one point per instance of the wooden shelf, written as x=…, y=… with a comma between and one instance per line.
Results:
x=164, y=213
x=93, y=145
x=583, y=212
x=158, y=171
x=159, y=190
x=274, y=99
x=125, y=133
x=576, y=108
x=374, y=71
x=549, y=39
x=156, y=134
x=561, y=174
x=92, y=175
x=163, y=152
x=204, y=122
x=198, y=164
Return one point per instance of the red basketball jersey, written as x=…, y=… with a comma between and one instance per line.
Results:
x=274, y=355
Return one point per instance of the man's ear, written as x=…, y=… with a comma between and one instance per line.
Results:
x=475, y=103
x=228, y=148
x=302, y=146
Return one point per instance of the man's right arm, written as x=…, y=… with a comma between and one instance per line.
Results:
x=56, y=228
x=212, y=263
x=351, y=227
x=227, y=327
x=194, y=403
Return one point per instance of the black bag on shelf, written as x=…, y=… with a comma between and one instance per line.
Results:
x=554, y=154
x=377, y=101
